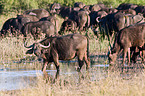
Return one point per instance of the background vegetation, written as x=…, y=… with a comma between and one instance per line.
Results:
x=112, y=84
x=18, y=5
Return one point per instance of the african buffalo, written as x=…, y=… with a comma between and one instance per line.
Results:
x=54, y=8
x=93, y=16
x=124, y=6
x=139, y=9
x=79, y=4
x=6, y=27
x=52, y=19
x=109, y=10
x=39, y=13
x=131, y=36
x=96, y=7
x=37, y=28
x=128, y=11
x=63, y=11
x=116, y=22
x=68, y=25
x=31, y=17
x=82, y=19
x=135, y=52
x=53, y=49
x=14, y=25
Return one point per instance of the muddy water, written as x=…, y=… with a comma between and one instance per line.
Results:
x=21, y=77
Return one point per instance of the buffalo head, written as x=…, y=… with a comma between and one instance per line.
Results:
x=55, y=8
x=68, y=25
x=100, y=28
x=36, y=48
x=112, y=58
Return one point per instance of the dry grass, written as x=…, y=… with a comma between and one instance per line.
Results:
x=112, y=84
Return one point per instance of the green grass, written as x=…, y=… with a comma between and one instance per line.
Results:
x=16, y=5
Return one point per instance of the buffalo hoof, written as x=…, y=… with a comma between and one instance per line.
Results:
x=78, y=69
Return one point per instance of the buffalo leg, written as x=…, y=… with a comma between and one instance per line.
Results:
x=87, y=61
x=81, y=63
x=56, y=61
x=124, y=56
x=56, y=65
x=141, y=53
x=80, y=60
x=128, y=56
x=44, y=67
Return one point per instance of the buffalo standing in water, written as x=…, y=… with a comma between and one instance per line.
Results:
x=53, y=49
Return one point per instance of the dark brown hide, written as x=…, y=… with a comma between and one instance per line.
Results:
x=132, y=36
x=82, y=19
x=14, y=25
x=35, y=29
x=62, y=48
x=117, y=21
x=128, y=11
x=124, y=6
x=109, y=10
x=39, y=13
x=139, y=9
x=52, y=19
x=79, y=4
x=68, y=25
x=31, y=17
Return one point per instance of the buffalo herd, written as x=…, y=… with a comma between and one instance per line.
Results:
x=125, y=23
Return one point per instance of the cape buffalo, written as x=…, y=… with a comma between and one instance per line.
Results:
x=53, y=49
x=79, y=4
x=6, y=27
x=82, y=19
x=37, y=28
x=93, y=16
x=52, y=19
x=31, y=17
x=139, y=9
x=14, y=25
x=128, y=11
x=95, y=7
x=109, y=10
x=124, y=6
x=63, y=11
x=39, y=13
x=54, y=8
x=131, y=36
x=112, y=23
x=68, y=25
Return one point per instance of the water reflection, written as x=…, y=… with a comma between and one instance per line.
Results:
x=16, y=75
x=13, y=80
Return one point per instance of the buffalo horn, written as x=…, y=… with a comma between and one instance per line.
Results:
x=44, y=46
x=97, y=19
x=25, y=45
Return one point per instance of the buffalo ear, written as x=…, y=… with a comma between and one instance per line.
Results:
x=29, y=51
